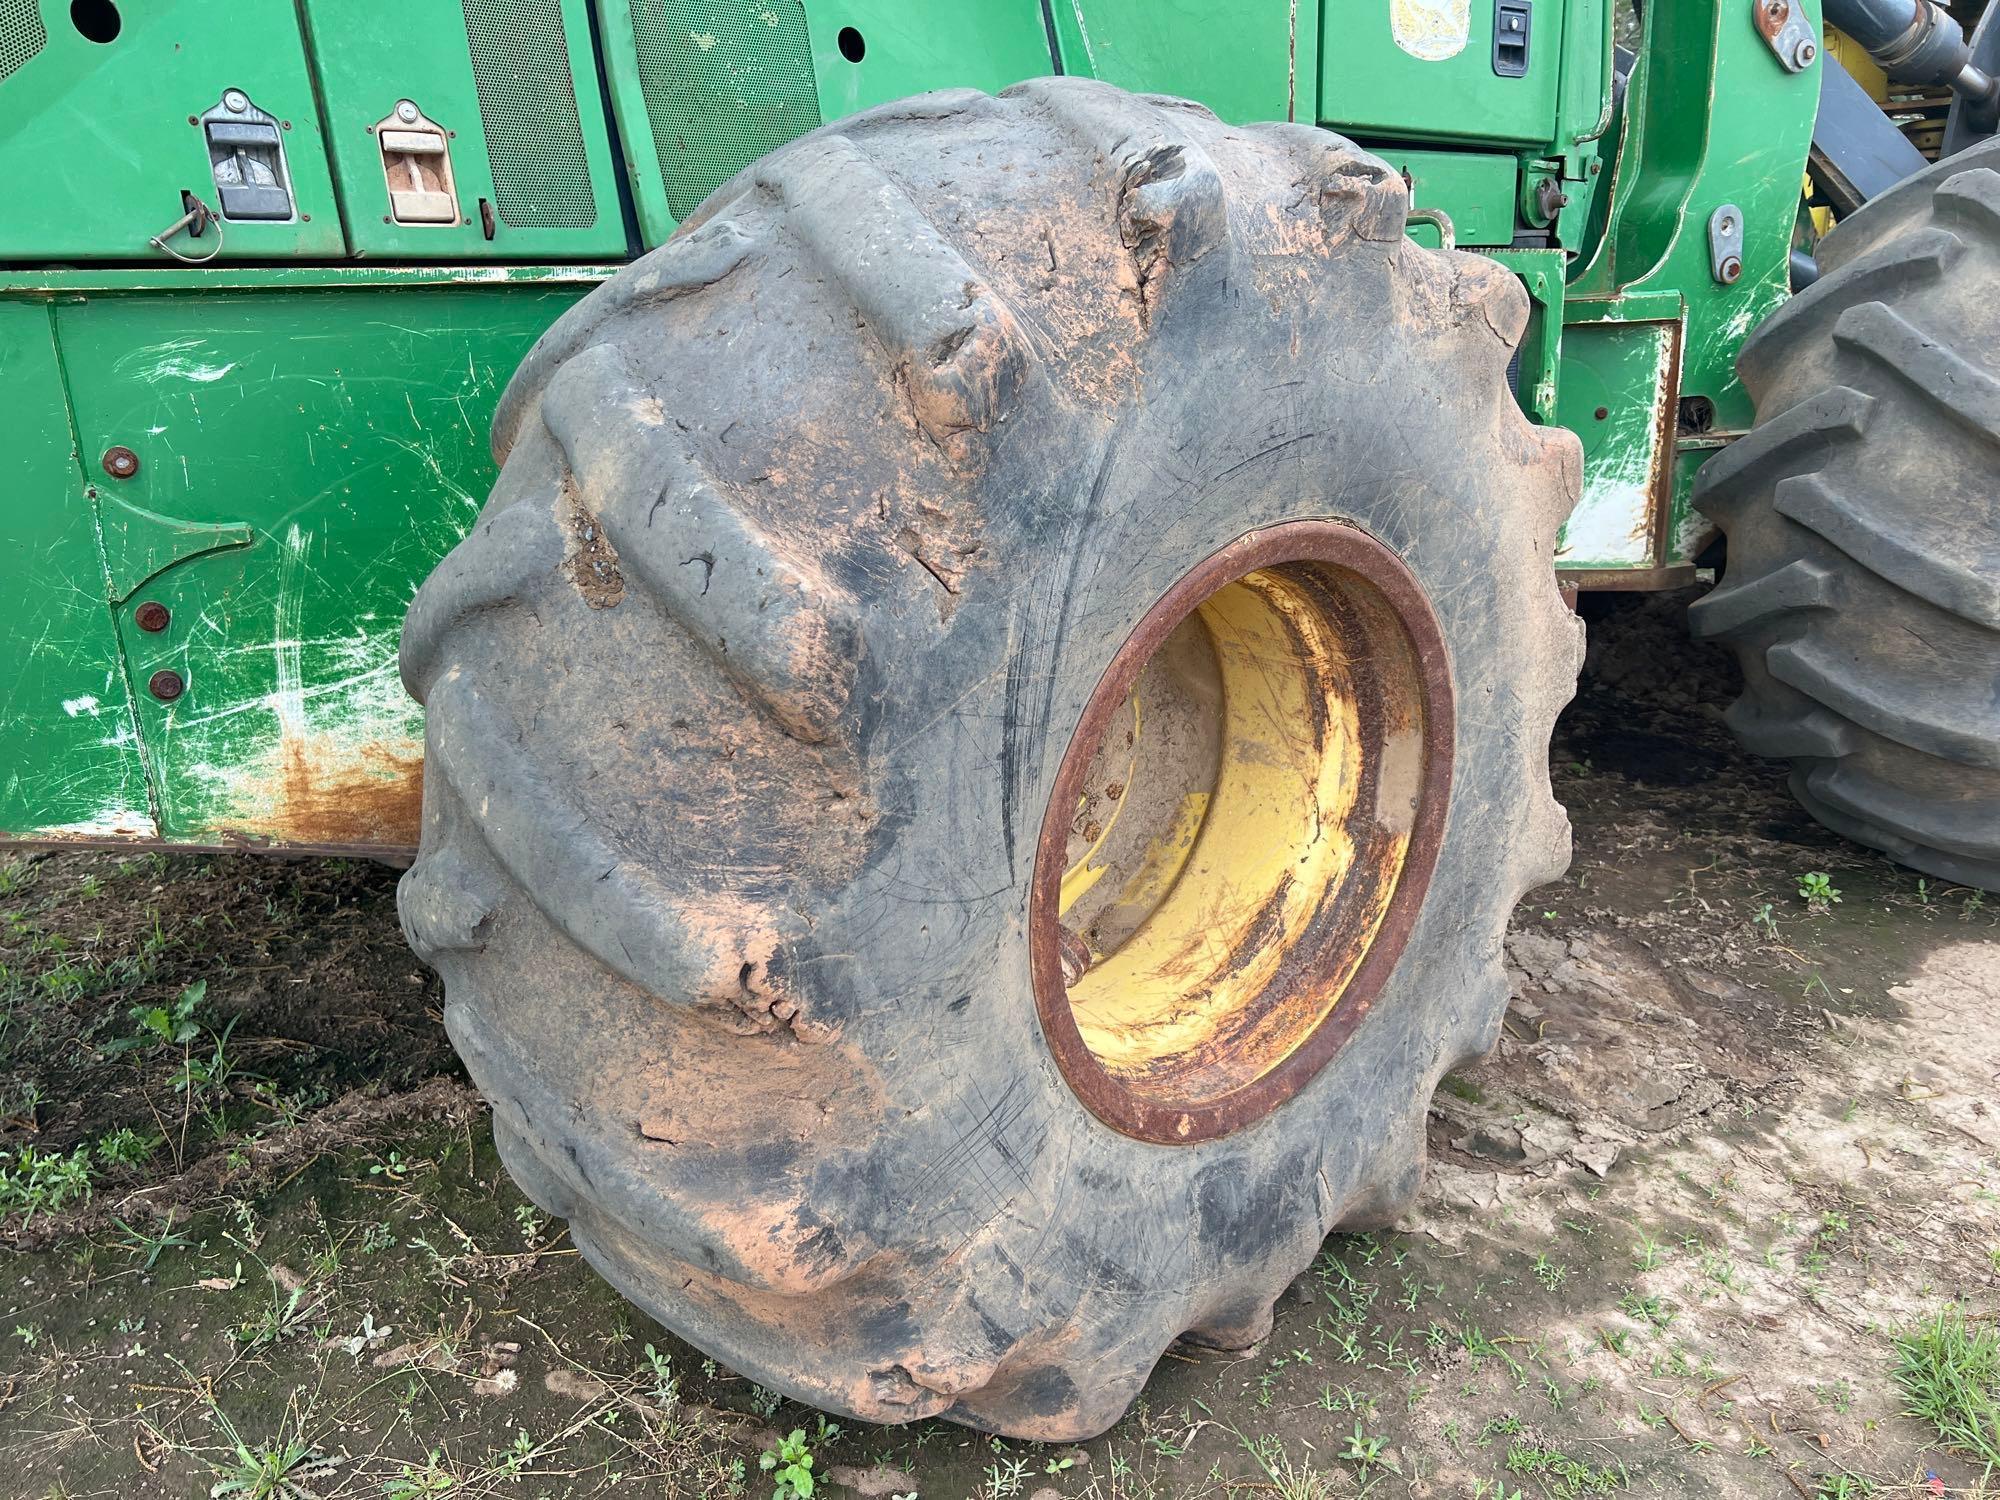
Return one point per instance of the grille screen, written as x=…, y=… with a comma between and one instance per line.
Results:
x=723, y=85
x=21, y=34
x=527, y=104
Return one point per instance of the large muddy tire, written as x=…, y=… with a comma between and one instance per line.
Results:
x=1862, y=595
x=810, y=619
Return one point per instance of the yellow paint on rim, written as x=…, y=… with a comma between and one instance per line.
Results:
x=1257, y=856
x=1166, y=856
x=1082, y=875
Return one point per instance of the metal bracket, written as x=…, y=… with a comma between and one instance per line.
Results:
x=1439, y=217
x=1789, y=30
x=1725, y=244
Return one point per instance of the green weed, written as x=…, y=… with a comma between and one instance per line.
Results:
x=39, y=1181
x=790, y=1465
x=1949, y=1371
x=172, y=1025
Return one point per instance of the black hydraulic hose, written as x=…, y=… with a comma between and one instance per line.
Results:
x=1914, y=41
x=1876, y=24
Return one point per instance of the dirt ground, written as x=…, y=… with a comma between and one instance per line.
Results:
x=1731, y=1146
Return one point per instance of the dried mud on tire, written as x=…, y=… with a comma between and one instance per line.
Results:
x=726, y=866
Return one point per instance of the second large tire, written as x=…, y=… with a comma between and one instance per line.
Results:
x=821, y=530
x=1862, y=594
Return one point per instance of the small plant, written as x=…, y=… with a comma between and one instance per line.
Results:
x=1949, y=1372
x=126, y=1147
x=516, y=1459
x=1816, y=889
x=270, y=1473
x=1764, y=922
x=1281, y=1478
x=1565, y=1476
x=1365, y=1452
x=666, y=1384
x=1646, y=1309
x=209, y=1075
x=36, y=1181
x=419, y=1483
x=290, y=1310
x=170, y=1025
x=153, y=1246
x=790, y=1465
x=1004, y=1480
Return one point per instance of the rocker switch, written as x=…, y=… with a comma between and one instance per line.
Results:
x=1511, y=22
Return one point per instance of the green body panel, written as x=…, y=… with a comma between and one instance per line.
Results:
x=311, y=437
x=97, y=143
x=1476, y=188
x=910, y=49
x=1539, y=365
x=72, y=764
x=1422, y=70
x=1625, y=441
x=430, y=66
x=1252, y=60
x=1710, y=120
x=306, y=454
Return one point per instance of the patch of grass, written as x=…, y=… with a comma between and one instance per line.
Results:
x=37, y=1181
x=1462, y=1088
x=1562, y=1475
x=1280, y=1477
x=1949, y=1370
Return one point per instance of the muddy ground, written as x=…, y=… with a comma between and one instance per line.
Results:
x=1731, y=1146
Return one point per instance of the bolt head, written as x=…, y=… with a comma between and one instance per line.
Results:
x=1804, y=53
x=406, y=111
x=1777, y=12
x=120, y=462
x=151, y=617
x=166, y=686
x=1732, y=270
x=235, y=101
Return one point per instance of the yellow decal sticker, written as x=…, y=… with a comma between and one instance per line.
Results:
x=1431, y=29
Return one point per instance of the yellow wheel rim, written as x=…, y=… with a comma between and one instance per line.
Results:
x=1241, y=831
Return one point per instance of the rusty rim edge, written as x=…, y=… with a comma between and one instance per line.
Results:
x=1323, y=541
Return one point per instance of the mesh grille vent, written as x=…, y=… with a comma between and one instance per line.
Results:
x=527, y=104
x=723, y=85
x=21, y=34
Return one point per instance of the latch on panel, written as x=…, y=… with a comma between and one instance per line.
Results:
x=1512, y=20
x=416, y=164
x=246, y=157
